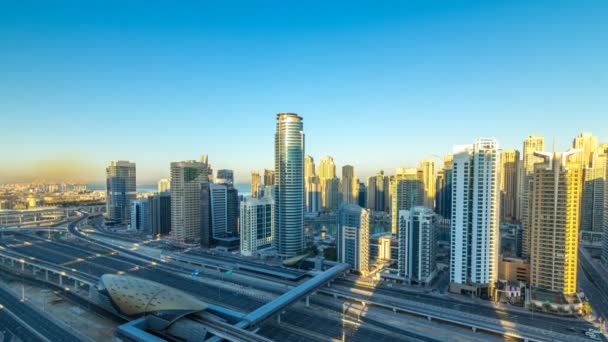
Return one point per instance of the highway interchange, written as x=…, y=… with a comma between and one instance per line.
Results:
x=245, y=292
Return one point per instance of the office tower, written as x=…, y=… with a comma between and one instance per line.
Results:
x=327, y=168
x=120, y=191
x=204, y=159
x=353, y=237
x=475, y=218
x=164, y=185
x=554, y=221
x=311, y=184
x=380, y=191
x=255, y=183
x=186, y=180
x=309, y=167
x=444, y=189
x=326, y=173
x=417, y=242
x=587, y=143
x=428, y=180
x=532, y=143
x=333, y=195
x=408, y=192
x=268, y=177
x=225, y=177
x=139, y=215
x=289, y=168
x=349, y=184
x=219, y=210
x=160, y=213
x=605, y=235
x=362, y=197
x=233, y=203
x=256, y=224
x=371, y=193
x=313, y=194
x=592, y=201
x=509, y=173
x=206, y=224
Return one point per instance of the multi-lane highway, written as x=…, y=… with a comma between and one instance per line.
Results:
x=45, y=327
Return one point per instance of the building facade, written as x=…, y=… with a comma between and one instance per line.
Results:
x=186, y=180
x=554, y=222
x=427, y=170
x=164, y=185
x=256, y=182
x=160, y=213
x=353, y=237
x=349, y=185
x=140, y=211
x=120, y=191
x=475, y=218
x=417, y=245
x=257, y=219
x=509, y=187
x=225, y=177
x=289, y=168
x=408, y=192
x=532, y=144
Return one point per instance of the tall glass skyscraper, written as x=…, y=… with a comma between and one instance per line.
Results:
x=289, y=168
x=120, y=188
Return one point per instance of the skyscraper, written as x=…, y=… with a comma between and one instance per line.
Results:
x=140, y=211
x=186, y=180
x=349, y=184
x=475, y=218
x=219, y=210
x=594, y=178
x=362, y=197
x=333, y=196
x=605, y=235
x=371, y=193
x=353, y=237
x=532, y=144
x=164, y=185
x=587, y=143
x=417, y=243
x=268, y=177
x=444, y=189
x=289, y=168
x=120, y=191
x=509, y=173
x=160, y=213
x=312, y=185
x=408, y=192
x=255, y=183
x=225, y=177
x=381, y=191
x=327, y=174
x=256, y=224
x=427, y=168
x=554, y=220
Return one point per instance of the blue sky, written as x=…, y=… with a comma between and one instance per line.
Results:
x=379, y=84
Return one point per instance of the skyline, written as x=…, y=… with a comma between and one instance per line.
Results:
x=379, y=87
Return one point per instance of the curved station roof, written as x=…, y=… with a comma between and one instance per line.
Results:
x=134, y=296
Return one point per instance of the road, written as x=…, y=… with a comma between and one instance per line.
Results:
x=46, y=327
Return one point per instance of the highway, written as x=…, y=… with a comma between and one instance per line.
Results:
x=43, y=325
x=96, y=260
x=552, y=323
x=593, y=285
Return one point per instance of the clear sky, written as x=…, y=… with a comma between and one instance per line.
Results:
x=380, y=84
